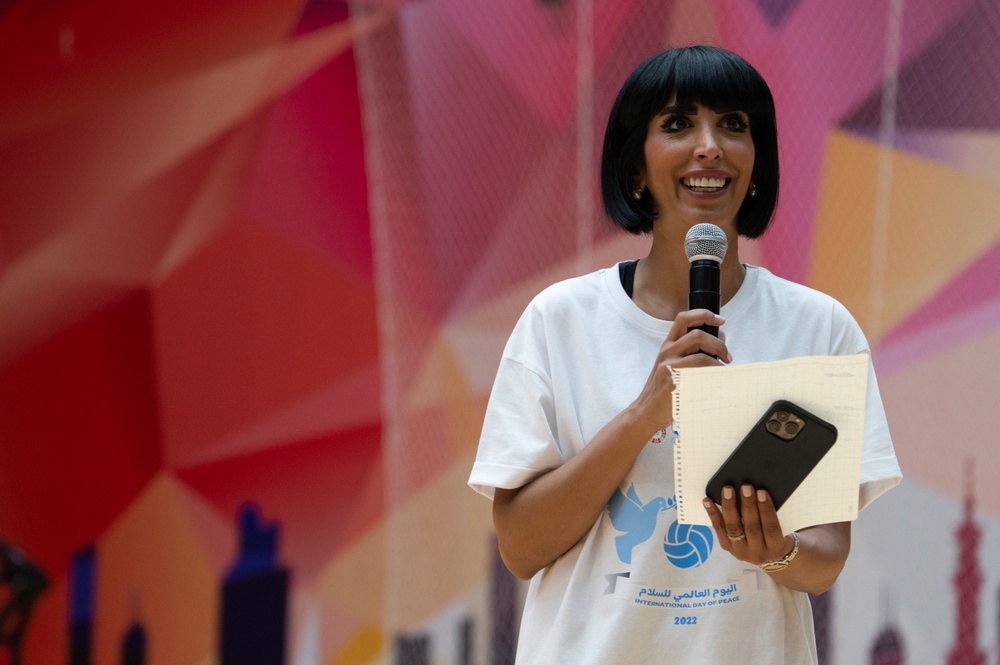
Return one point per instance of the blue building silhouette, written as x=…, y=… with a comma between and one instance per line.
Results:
x=82, y=588
x=255, y=597
x=134, y=645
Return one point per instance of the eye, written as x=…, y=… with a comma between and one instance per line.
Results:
x=735, y=122
x=676, y=123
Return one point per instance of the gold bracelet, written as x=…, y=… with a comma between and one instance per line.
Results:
x=782, y=563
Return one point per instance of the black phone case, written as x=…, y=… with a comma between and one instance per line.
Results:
x=768, y=462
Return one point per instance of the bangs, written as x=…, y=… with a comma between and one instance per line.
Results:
x=712, y=80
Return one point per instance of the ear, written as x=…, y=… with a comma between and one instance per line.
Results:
x=639, y=181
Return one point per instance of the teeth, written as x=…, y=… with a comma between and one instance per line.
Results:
x=710, y=183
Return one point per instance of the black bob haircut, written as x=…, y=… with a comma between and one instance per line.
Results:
x=706, y=75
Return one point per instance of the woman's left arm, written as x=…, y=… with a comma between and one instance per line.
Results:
x=752, y=533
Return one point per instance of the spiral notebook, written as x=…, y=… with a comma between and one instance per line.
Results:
x=715, y=407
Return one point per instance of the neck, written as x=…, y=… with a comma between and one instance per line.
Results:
x=661, y=278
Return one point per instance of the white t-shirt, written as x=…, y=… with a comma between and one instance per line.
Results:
x=640, y=587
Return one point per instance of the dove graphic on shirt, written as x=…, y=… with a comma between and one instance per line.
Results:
x=635, y=519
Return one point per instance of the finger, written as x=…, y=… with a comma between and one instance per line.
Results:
x=734, y=530
x=774, y=537
x=693, y=343
x=718, y=524
x=691, y=318
x=751, y=519
x=726, y=542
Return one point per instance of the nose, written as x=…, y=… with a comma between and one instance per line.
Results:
x=708, y=144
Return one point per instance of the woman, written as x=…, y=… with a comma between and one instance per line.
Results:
x=573, y=451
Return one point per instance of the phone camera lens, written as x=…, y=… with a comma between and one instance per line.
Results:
x=791, y=428
x=773, y=426
x=781, y=416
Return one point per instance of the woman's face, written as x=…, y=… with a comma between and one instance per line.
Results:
x=698, y=165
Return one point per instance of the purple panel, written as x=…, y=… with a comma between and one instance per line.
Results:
x=776, y=11
x=979, y=283
x=318, y=14
x=950, y=84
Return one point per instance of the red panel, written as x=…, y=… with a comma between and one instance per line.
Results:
x=325, y=492
x=77, y=55
x=249, y=326
x=46, y=639
x=77, y=432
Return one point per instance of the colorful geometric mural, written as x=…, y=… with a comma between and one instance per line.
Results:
x=258, y=263
x=851, y=189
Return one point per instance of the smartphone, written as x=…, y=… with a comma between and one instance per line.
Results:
x=777, y=454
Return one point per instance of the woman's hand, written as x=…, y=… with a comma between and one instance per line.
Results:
x=751, y=532
x=683, y=347
x=748, y=529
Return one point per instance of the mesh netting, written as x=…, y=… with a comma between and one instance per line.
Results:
x=483, y=123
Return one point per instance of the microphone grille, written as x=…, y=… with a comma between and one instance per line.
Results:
x=706, y=240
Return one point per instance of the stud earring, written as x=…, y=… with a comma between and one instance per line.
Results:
x=637, y=194
x=753, y=191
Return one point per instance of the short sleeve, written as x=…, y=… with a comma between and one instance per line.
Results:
x=879, y=467
x=518, y=441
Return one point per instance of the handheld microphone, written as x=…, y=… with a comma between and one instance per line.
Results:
x=705, y=246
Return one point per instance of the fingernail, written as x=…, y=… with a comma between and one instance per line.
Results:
x=707, y=502
x=761, y=496
x=747, y=491
x=727, y=492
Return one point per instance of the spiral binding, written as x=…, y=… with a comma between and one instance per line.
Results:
x=678, y=472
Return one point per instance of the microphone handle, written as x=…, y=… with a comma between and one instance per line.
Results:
x=705, y=289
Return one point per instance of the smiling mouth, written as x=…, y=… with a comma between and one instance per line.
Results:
x=704, y=184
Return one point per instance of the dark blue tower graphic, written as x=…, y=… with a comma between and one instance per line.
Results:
x=82, y=586
x=134, y=645
x=888, y=648
x=255, y=597
x=821, y=607
x=413, y=649
x=465, y=638
x=504, y=600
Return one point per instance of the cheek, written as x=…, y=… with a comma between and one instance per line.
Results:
x=743, y=155
x=660, y=158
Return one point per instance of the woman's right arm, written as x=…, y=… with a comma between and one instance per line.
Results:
x=540, y=521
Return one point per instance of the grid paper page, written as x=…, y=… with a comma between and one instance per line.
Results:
x=715, y=407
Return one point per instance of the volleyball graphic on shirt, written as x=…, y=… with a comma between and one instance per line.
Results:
x=688, y=545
